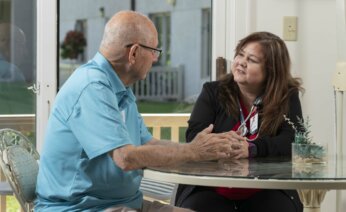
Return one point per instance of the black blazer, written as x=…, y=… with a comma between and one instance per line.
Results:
x=207, y=110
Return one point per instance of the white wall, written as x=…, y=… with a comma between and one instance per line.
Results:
x=316, y=58
x=95, y=22
x=313, y=54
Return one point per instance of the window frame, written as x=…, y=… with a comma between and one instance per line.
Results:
x=224, y=35
x=47, y=41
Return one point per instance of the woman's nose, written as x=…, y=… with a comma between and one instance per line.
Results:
x=242, y=62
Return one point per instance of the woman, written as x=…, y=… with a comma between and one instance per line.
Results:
x=251, y=103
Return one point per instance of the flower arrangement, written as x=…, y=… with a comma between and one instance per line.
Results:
x=303, y=149
x=73, y=45
x=301, y=136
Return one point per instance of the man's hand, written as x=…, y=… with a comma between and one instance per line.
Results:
x=210, y=146
x=240, y=149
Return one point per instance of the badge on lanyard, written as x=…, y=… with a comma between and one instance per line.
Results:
x=254, y=124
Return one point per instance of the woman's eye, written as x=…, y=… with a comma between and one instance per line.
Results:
x=253, y=60
x=240, y=54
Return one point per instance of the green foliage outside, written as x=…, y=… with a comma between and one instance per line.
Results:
x=12, y=205
x=73, y=44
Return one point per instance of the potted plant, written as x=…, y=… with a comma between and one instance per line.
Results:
x=304, y=150
x=73, y=45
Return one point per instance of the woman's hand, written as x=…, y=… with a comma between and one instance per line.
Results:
x=239, y=146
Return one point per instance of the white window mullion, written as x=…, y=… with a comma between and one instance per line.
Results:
x=46, y=64
x=218, y=33
x=232, y=20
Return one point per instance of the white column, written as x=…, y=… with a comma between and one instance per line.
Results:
x=311, y=199
x=46, y=64
x=218, y=33
x=339, y=83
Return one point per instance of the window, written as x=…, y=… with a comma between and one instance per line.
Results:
x=18, y=66
x=206, y=43
x=184, y=32
x=17, y=73
x=162, y=22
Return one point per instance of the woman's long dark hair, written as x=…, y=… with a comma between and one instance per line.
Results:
x=278, y=85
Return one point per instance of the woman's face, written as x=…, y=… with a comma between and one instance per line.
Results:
x=248, y=66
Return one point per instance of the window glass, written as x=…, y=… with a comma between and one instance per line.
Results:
x=17, y=73
x=162, y=22
x=184, y=29
x=184, y=32
x=17, y=65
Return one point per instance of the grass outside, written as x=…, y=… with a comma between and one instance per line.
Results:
x=15, y=98
x=12, y=205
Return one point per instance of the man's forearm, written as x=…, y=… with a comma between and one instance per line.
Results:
x=162, y=142
x=157, y=153
x=205, y=146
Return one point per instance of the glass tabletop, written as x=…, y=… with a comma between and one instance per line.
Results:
x=279, y=168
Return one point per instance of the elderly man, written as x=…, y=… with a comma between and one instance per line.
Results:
x=96, y=142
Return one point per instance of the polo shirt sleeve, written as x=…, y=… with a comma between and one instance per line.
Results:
x=97, y=122
x=145, y=134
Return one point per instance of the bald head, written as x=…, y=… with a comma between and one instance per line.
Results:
x=127, y=27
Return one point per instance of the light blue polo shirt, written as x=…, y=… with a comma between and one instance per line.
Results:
x=93, y=114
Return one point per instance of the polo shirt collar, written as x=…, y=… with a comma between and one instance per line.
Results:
x=124, y=94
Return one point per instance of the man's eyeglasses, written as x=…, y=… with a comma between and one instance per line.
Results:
x=155, y=51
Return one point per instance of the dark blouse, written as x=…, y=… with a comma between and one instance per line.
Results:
x=208, y=110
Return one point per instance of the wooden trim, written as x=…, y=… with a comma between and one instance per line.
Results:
x=221, y=67
x=21, y=123
x=173, y=121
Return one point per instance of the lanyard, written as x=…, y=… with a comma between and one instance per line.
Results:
x=253, y=121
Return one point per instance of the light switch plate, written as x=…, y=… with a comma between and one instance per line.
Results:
x=290, y=28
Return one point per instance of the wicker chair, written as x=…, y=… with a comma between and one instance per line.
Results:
x=19, y=162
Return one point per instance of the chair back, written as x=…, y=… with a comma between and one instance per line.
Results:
x=18, y=160
x=221, y=67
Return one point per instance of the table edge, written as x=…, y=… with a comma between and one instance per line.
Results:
x=243, y=182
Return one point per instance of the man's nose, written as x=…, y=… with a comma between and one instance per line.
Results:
x=155, y=58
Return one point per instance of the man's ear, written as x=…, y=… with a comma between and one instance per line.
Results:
x=133, y=54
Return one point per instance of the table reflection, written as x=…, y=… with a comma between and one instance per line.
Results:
x=235, y=167
x=311, y=171
x=261, y=168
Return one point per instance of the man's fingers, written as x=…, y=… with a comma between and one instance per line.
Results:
x=237, y=145
x=207, y=130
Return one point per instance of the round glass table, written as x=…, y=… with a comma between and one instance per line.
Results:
x=312, y=181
